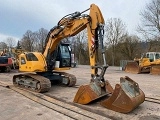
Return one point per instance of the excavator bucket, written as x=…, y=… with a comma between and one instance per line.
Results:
x=132, y=67
x=126, y=96
x=155, y=69
x=91, y=92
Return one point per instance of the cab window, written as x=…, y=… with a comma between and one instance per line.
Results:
x=23, y=60
x=31, y=57
x=151, y=57
x=157, y=56
x=65, y=51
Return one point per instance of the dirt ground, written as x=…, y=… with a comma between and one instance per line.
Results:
x=21, y=106
x=14, y=106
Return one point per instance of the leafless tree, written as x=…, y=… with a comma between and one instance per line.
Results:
x=80, y=47
x=114, y=29
x=27, y=41
x=129, y=47
x=40, y=37
x=150, y=20
x=11, y=42
x=34, y=41
x=3, y=46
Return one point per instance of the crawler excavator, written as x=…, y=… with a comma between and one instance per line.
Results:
x=47, y=66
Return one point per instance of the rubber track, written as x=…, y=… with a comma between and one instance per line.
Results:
x=44, y=82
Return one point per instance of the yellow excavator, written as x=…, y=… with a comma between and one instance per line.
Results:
x=48, y=66
x=148, y=63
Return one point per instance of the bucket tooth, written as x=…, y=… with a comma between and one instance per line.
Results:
x=132, y=67
x=126, y=96
x=91, y=92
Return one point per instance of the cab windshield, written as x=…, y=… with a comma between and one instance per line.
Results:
x=65, y=51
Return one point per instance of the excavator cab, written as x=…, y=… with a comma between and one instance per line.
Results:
x=63, y=57
x=59, y=59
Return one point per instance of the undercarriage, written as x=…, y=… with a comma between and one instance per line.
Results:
x=41, y=82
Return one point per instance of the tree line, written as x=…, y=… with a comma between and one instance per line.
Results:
x=118, y=43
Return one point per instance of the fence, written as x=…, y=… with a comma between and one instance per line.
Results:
x=123, y=64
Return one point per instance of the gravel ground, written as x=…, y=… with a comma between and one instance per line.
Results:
x=14, y=106
x=146, y=111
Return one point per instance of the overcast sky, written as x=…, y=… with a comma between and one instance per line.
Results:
x=18, y=16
